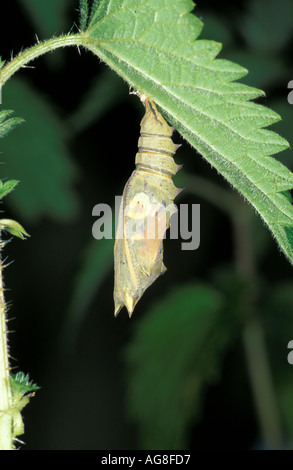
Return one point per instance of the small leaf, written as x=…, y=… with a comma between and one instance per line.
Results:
x=6, y=125
x=7, y=187
x=177, y=350
x=21, y=385
x=13, y=227
x=22, y=391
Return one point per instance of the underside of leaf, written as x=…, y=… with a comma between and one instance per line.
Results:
x=153, y=45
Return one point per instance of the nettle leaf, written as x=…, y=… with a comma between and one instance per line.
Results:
x=22, y=391
x=6, y=187
x=21, y=384
x=153, y=45
x=176, y=352
x=7, y=123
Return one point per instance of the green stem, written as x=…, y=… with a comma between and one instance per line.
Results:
x=253, y=333
x=6, y=438
x=32, y=53
x=262, y=384
x=6, y=405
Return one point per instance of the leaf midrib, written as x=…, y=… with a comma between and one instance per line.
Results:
x=196, y=136
x=189, y=105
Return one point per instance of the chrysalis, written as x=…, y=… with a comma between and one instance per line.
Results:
x=145, y=211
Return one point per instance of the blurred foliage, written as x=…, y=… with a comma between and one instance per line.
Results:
x=174, y=376
x=176, y=352
x=96, y=264
x=49, y=19
x=103, y=95
x=46, y=168
x=7, y=123
x=267, y=26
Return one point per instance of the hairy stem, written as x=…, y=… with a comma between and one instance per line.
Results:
x=6, y=404
x=32, y=53
x=6, y=438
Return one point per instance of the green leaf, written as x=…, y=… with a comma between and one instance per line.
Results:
x=37, y=154
x=14, y=228
x=2, y=62
x=21, y=384
x=7, y=187
x=84, y=14
x=6, y=125
x=22, y=391
x=177, y=350
x=152, y=45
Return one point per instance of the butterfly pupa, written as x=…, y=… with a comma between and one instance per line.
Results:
x=145, y=211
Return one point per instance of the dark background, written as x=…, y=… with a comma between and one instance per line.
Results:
x=61, y=309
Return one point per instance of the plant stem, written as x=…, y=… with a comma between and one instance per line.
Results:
x=32, y=53
x=253, y=333
x=6, y=438
x=262, y=384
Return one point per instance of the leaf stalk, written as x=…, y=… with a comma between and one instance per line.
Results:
x=32, y=53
